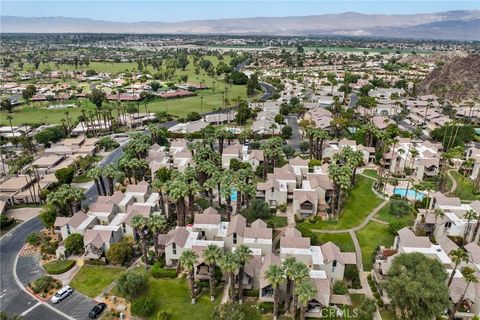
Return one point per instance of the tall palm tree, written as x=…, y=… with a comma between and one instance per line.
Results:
x=469, y=216
x=111, y=172
x=177, y=191
x=140, y=225
x=477, y=226
x=298, y=273
x=10, y=118
x=243, y=255
x=162, y=176
x=458, y=256
x=188, y=260
x=157, y=224
x=470, y=277
x=289, y=268
x=306, y=292
x=275, y=276
x=229, y=265
x=211, y=256
x=95, y=174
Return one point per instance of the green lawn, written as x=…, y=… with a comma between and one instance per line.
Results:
x=342, y=240
x=372, y=235
x=387, y=315
x=384, y=214
x=359, y=203
x=464, y=188
x=92, y=280
x=173, y=296
x=371, y=173
x=278, y=222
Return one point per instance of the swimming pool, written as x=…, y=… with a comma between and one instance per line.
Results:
x=410, y=194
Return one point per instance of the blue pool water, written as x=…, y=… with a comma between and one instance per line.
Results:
x=411, y=193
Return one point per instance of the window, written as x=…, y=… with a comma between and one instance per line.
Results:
x=448, y=225
x=68, y=229
x=203, y=233
x=124, y=228
x=174, y=248
x=334, y=265
x=234, y=238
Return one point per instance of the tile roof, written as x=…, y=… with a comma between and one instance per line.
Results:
x=237, y=225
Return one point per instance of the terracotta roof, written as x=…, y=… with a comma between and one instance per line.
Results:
x=237, y=225
x=411, y=240
x=97, y=238
x=60, y=221
x=297, y=161
x=139, y=209
x=294, y=242
x=141, y=187
x=443, y=200
x=259, y=223
x=305, y=195
x=268, y=260
x=323, y=290
x=292, y=232
x=207, y=218
x=77, y=219
x=457, y=288
x=210, y=210
x=258, y=233
x=474, y=251
x=101, y=207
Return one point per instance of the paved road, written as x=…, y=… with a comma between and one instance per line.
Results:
x=13, y=299
x=91, y=194
x=268, y=91
x=296, y=138
x=411, y=128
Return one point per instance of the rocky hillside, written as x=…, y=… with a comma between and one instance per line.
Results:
x=457, y=79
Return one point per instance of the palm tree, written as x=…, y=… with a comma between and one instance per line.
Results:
x=298, y=274
x=306, y=292
x=288, y=267
x=229, y=265
x=163, y=175
x=157, y=224
x=469, y=216
x=458, y=256
x=111, y=172
x=140, y=225
x=477, y=226
x=470, y=277
x=275, y=276
x=211, y=256
x=177, y=191
x=243, y=255
x=95, y=174
x=188, y=260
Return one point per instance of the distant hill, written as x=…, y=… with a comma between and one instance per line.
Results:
x=458, y=78
x=459, y=25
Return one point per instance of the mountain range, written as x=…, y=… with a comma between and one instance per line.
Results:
x=456, y=25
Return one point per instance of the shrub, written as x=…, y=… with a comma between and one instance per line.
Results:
x=251, y=293
x=5, y=221
x=143, y=307
x=339, y=288
x=107, y=143
x=130, y=284
x=65, y=175
x=120, y=253
x=43, y=284
x=34, y=238
x=265, y=307
x=74, y=243
x=95, y=262
x=259, y=209
x=163, y=315
x=282, y=207
x=59, y=266
x=399, y=207
x=49, y=246
x=202, y=203
x=159, y=272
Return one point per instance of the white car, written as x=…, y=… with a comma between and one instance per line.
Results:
x=61, y=294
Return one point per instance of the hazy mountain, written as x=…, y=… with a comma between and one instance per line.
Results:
x=462, y=25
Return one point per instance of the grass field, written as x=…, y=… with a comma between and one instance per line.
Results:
x=372, y=235
x=92, y=280
x=371, y=173
x=173, y=296
x=465, y=187
x=342, y=240
x=278, y=222
x=359, y=203
x=213, y=98
x=384, y=215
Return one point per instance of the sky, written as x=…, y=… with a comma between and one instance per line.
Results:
x=182, y=10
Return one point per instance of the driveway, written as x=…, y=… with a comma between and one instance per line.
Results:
x=23, y=214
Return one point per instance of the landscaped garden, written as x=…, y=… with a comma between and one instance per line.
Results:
x=92, y=280
x=58, y=266
x=358, y=204
x=370, y=237
x=386, y=215
x=465, y=188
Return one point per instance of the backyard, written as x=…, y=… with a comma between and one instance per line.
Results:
x=92, y=280
x=370, y=237
x=359, y=203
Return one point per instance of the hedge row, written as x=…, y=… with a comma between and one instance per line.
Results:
x=59, y=266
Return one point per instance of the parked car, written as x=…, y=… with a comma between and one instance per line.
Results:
x=61, y=294
x=97, y=309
